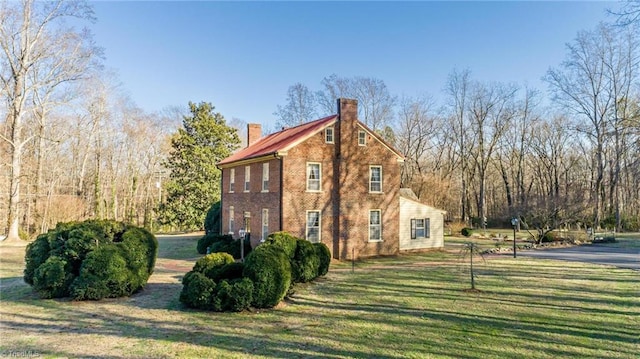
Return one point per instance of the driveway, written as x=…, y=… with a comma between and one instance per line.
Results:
x=599, y=254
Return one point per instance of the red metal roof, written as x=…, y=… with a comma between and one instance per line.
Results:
x=280, y=141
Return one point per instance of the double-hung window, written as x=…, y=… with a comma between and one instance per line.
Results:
x=375, y=179
x=313, y=176
x=375, y=225
x=265, y=177
x=232, y=220
x=247, y=178
x=420, y=228
x=232, y=180
x=362, y=138
x=265, y=223
x=328, y=135
x=313, y=226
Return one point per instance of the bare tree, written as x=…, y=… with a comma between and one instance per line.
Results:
x=40, y=52
x=375, y=103
x=300, y=107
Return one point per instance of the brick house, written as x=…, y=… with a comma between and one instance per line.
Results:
x=332, y=180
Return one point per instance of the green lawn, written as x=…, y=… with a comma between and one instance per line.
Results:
x=412, y=306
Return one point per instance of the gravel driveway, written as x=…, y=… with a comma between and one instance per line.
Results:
x=599, y=254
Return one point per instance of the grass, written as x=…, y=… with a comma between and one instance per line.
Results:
x=412, y=306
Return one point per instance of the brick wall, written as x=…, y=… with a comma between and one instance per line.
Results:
x=253, y=201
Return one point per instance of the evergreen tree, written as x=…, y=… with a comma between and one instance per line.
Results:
x=194, y=182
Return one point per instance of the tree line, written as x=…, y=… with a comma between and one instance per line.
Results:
x=74, y=146
x=493, y=151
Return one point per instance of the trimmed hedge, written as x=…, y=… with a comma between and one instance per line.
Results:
x=270, y=270
x=219, y=284
x=94, y=259
x=222, y=243
x=466, y=231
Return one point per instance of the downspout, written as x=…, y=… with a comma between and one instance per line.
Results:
x=221, y=206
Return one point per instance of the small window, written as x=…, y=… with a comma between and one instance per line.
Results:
x=362, y=138
x=265, y=223
x=375, y=179
x=420, y=228
x=232, y=220
x=247, y=178
x=313, y=226
x=375, y=225
x=328, y=135
x=265, y=177
x=232, y=180
x=313, y=176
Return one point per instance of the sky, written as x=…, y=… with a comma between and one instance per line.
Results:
x=243, y=56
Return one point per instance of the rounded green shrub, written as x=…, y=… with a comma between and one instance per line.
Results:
x=36, y=254
x=211, y=264
x=126, y=268
x=466, y=231
x=324, y=258
x=211, y=238
x=198, y=291
x=284, y=241
x=305, y=262
x=104, y=274
x=235, y=295
x=232, y=248
x=229, y=271
x=52, y=279
x=270, y=271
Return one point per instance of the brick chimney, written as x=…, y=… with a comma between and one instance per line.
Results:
x=254, y=132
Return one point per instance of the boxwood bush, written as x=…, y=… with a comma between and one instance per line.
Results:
x=218, y=283
x=466, y=231
x=94, y=259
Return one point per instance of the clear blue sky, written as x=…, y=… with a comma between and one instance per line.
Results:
x=243, y=56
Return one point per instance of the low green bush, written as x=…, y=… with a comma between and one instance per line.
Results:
x=235, y=295
x=233, y=248
x=270, y=271
x=324, y=258
x=548, y=237
x=52, y=279
x=211, y=264
x=211, y=238
x=120, y=258
x=466, y=231
x=283, y=240
x=198, y=291
x=305, y=262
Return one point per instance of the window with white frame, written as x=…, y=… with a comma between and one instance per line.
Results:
x=247, y=178
x=232, y=220
x=232, y=180
x=265, y=223
x=313, y=176
x=328, y=135
x=313, y=226
x=362, y=138
x=265, y=177
x=375, y=225
x=420, y=228
x=375, y=179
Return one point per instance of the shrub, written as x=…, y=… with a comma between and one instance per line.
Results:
x=198, y=291
x=305, y=263
x=270, y=271
x=229, y=271
x=235, y=295
x=466, y=231
x=209, y=239
x=123, y=263
x=284, y=241
x=51, y=279
x=212, y=220
x=233, y=248
x=211, y=264
x=104, y=274
x=37, y=253
x=548, y=237
x=324, y=258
